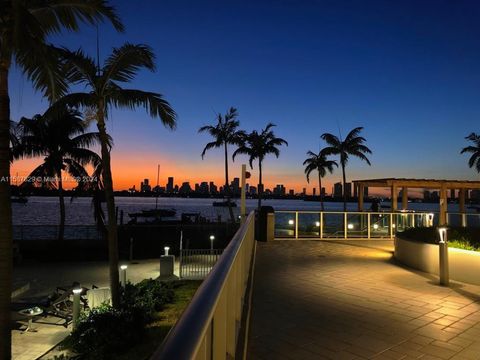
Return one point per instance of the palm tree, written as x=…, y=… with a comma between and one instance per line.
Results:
x=61, y=137
x=105, y=92
x=474, y=149
x=320, y=163
x=352, y=145
x=225, y=133
x=257, y=146
x=24, y=28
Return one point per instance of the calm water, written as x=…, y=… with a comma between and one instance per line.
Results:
x=45, y=210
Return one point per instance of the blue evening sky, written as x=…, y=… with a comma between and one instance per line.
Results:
x=408, y=71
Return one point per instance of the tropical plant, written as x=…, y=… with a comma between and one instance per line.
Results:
x=24, y=28
x=258, y=145
x=352, y=145
x=61, y=137
x=320, y=163
x=225, y=133
x=474, y=149
x=104, y=92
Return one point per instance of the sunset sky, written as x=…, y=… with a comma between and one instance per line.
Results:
x=408, y=71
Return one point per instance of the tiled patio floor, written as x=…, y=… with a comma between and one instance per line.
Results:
x=337, y=300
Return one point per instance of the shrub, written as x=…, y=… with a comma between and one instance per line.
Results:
x=104, y=331
x=458, y=237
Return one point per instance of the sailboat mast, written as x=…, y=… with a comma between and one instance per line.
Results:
x=156, y=198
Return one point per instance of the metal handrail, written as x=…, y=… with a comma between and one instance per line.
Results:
x=195, y=328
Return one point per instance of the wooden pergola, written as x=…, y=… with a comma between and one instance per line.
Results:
x=397, y=183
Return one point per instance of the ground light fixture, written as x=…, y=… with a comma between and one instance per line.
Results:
x=212, y=237
x=166, y=249
x=350, y=226
x=76, y=306
x=375, y=226
x=443, y=256
x=291, y=222
x=123, y=275
x=317, y=223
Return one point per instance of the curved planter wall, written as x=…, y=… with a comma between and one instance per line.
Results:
x=464, y=265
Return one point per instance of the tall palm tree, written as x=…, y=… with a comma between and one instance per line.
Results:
x=225, y=133
x=352, y=145
x=62, y=138
x=24, y=28
x=105, y=92
x=258, y=145
x=320, y=163
x=474, y=149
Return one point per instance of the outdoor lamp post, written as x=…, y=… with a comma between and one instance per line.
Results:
x=443, y=256
x=76, y=306
x=123, y=275
x=212, y=237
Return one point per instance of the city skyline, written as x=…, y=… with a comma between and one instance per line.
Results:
x=413, y=85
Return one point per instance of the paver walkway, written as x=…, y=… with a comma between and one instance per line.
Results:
x=337, y=300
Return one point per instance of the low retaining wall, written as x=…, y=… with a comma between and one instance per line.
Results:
x=464, y=265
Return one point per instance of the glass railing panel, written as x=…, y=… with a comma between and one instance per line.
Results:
x=308, y=224
x=379, y=225
x=333, y=225
x=285, y=224
x=357, y=225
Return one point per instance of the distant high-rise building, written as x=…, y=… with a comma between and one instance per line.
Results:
x=144, y=186
x=185, y=188
x=291, y=192
x=348, y=189
x=235, y=186
x=252, y=190
x=279, y=190
x=203, y=188
x=337, y=190
x=212, y=188
x=197, y=187
x=304, y=191
x=170, y=185
x=314, y=191
x=323, y=192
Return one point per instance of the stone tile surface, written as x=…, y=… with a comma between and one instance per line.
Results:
x=351, y=300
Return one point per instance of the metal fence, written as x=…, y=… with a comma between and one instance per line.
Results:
x=50, y=232
x=197, y=263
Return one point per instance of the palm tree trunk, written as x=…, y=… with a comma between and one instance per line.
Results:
x=344, y=187
x=109, y=198
x=320, y=187
x=61, y=228
x=6, y=240
x=227, y=186
x=260, y=185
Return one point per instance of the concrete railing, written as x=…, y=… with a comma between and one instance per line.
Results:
x=210, y=327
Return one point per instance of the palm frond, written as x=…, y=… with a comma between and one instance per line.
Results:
x=124, y=62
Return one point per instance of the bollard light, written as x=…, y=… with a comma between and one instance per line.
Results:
x=123, y=275
x=375, y=226
x=291, y=222
x=350, y=226
x=76, y=306
x=317, y=223
x=166, y=248
x=212, y=237
x=443, y=256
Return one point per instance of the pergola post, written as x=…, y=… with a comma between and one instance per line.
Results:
x=404, y=198
x=360, y=196
x=443, y=206
x=461, y=206
x=394, y=194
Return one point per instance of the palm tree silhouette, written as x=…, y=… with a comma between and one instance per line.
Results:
x=61, y=137
x=474, y=149
x=105, y=91
x=320, y=163
x=225, y=133
x=257, y=146
x=24, y=28
x=352, y=145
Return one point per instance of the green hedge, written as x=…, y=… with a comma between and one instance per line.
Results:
x=458, y=237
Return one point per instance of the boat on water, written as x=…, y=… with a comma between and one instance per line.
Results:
x=19, y=199
x=224, y=203
x=151, y=216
